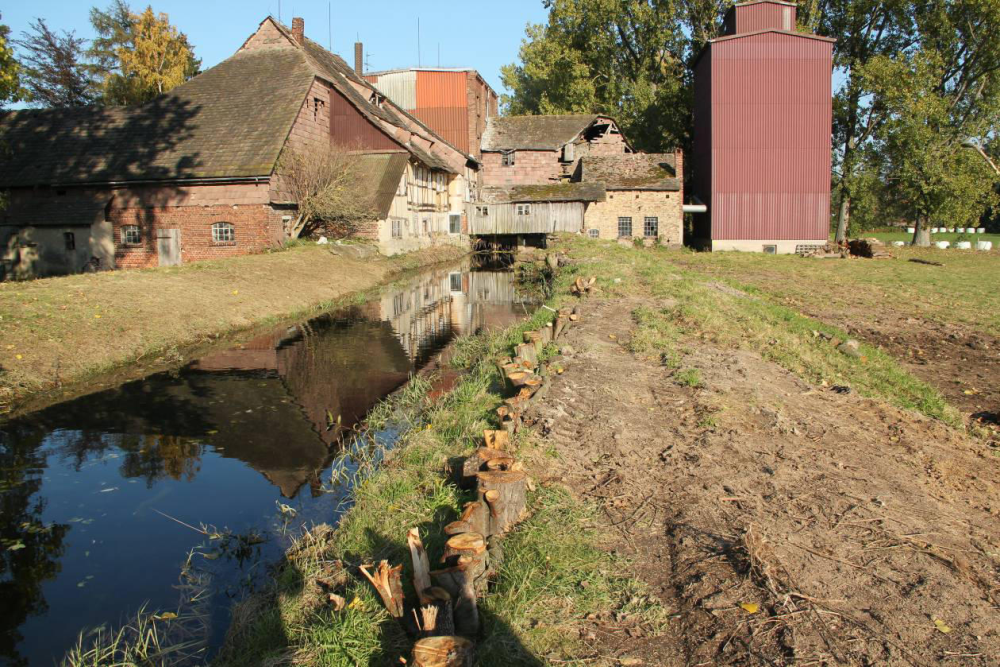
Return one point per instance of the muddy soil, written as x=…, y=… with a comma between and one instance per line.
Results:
x=779, y=523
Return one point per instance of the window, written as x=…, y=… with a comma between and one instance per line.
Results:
x=651, y=227
x=131, y=235
x=455, y=282
x=223, y=232
x=507, y=159
x=70, y=240
x=770, y=250
x=482, y=211
x=455, y=223
x=624, y=227
x=524, y=209
x=425, y=226
x=594, y=233
x=397, y=228
x=317, y=105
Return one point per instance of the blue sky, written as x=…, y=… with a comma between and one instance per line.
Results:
x=481, y=34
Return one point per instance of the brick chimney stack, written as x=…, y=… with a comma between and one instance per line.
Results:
x=299, y=30
x=359, y=58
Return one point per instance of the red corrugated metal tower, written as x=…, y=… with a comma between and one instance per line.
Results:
x=762, y=141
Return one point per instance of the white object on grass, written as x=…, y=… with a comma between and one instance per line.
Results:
x=942, y=244
x=964, y=245
x=899, y=244
x=910, y=230
x=984, y=245
x=981, y=230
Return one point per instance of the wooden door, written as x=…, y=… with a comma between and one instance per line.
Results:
x=168, y=245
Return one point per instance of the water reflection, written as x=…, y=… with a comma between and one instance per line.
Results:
x=216, y=441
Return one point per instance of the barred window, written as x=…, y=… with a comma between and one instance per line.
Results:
x=651, y=227
x=223, y=232
x=507, y=159
x=455, y=223
x=624, y=227
x=524, y=209
x=482, y=210
x=594, y=233
x=131, y=235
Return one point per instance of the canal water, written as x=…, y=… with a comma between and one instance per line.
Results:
x=176, y=492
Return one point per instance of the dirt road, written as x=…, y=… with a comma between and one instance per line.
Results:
x=779, y=523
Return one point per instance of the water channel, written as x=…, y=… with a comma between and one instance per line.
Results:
x=239, y=444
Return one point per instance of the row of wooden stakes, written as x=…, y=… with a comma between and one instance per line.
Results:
x=446, y=616
x=525, y=372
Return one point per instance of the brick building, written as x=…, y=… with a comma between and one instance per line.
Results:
x=576, y=173
x=193, y=174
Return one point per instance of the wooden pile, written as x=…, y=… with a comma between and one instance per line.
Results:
x=445, y=618
x=869, y=249
x=582, y=286
x=828, y=251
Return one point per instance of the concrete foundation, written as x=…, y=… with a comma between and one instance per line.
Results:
x=783, y=247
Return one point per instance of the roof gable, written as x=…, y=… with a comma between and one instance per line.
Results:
x=547, y=133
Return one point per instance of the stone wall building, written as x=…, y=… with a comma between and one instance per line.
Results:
x=195, y=173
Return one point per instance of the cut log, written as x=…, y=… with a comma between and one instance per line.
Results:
x=510, y=501
x=496, y=439
x=501, y=463
x=535, y=338
x=528, y=352
x=388, y=581
x=460, y=583
x=519, y=378
x=476, y=462
x=472, y=545
x=421, y=565
x=437, y=614
x=477, y=516
x=444, y=652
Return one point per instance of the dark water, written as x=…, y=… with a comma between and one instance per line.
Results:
x=239, y=444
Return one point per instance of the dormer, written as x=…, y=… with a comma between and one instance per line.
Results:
x=747, y=17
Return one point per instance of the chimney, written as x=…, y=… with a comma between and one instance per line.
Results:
x=299, y=30
x=359, y=58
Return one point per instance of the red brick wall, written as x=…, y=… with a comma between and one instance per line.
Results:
x=258, y=225
x=530, y=168
x=482, y=105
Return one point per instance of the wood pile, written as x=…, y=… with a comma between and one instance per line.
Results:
x=444, y=619
x=869, y=249
x=582, y=286
x=828, y=251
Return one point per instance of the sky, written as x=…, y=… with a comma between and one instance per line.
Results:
x=482, y=34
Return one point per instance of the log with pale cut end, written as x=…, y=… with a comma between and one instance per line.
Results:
x=546, y=333
x=466, y=544
x=437, y=614
x=509, y=501
x=534, y=338
x=501, y=463
x=448, y=651
x=477, y=516
x=460, y=582
x=476, y=462
x=496, y=439
x=527, y=352
x=520, y=378
x=421, y=564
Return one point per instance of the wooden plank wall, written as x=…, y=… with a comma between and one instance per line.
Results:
x=545, y=218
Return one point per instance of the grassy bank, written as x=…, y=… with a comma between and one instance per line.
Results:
x=62, y=331
x=553, y=575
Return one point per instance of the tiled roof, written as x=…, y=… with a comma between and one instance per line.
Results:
x=230, y=121
x=534, y=132
x=555, y=192
x=631, y=171
x=378, y=177
x=73, y=209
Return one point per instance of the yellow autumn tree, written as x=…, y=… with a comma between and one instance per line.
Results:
x=155, y=58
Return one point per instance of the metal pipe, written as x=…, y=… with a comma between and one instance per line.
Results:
x=697, y=207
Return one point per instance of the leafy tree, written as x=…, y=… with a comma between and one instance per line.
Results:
x=54, y=72
x=10, y=70
x=933, y=100
x=139, y=56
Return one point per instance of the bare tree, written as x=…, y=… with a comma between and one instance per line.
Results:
x=330, y=187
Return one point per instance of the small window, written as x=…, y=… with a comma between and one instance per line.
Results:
x=507, y=159
x=223, y=232
x=70, y=240
x=425, y=226
x=651, y=227
x=524, y=209
x=397, y=228
x=594, y=233
x=455, y=223
x=624, y=227
x=482, y=211
x=131, y=235
x=455, y=282
x=317, y=105
x=770, y=250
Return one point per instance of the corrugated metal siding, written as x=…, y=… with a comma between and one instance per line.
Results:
x=545, y=218
x=442, y=104
x=764, y=16
x=400, y=87
x=350, y=129
x=770, y=136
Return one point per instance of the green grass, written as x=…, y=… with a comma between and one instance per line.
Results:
x=553, y=574
x=697, y=305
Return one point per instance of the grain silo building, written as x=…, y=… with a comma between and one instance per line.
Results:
x=762, y=142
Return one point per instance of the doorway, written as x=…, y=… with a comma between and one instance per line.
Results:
x=168, y=246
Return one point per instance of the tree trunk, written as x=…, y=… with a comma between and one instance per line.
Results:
x=922, y=233
x=509, y=499
x=844, y=218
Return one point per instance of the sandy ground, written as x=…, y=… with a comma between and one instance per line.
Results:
x=779, y=523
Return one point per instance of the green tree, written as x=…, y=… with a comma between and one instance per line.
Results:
x=139, y=56
x=933, y=100
x=631, y=59
x=55, y=74
x=10, y=70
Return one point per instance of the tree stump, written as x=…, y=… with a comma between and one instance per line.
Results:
x=508, y=503
x=476, y=462
x=528, y=352
x=475, y=516
x=460, y=582
x=444, y=652
x=496, y=440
